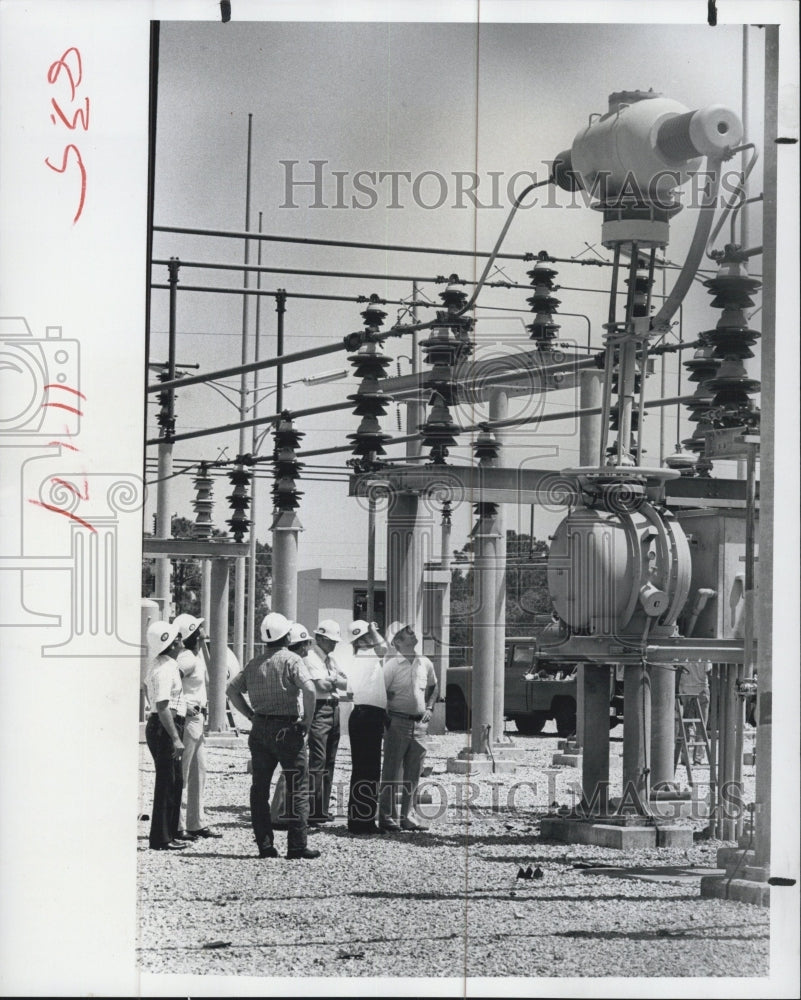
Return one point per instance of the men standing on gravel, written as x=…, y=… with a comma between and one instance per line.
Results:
x=411, y=695
x=365, y=675
x=277, y=684
x=195, y=679
x=163, y=733
x=330, y=682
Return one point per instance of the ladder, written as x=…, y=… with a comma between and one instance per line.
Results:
x=688, y=714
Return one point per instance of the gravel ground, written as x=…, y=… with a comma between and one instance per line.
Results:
x=443, y=903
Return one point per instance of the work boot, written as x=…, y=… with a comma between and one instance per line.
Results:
x=304, y=853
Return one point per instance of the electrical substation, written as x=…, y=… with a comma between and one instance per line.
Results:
x=653, y=563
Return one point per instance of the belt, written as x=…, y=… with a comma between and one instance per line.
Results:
x=327, y=701
x=283, y=718
x=403, y=715
x=175, y=715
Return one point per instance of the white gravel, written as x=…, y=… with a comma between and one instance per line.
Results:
x=443, y=903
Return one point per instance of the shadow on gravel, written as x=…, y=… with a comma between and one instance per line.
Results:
x=503, y=894
x=241, y=810
x=707, y=933
x=652, y=872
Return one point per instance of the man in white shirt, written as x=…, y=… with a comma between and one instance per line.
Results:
x=164, y=732
x=411, y=686
x=364, y=671
x=330, y=683
x=195, y=679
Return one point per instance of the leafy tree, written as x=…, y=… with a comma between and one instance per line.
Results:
x=187, y=576
x=526, y=591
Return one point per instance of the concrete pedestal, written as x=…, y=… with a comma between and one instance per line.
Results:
x=619, y=836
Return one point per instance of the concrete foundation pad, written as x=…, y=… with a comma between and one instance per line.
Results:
x=739, y=889
x=616, y=836
x=568, y=759
x=479, y=765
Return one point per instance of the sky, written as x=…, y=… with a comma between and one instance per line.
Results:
x=444, y=98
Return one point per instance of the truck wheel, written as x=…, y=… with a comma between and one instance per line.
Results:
x=457, y=716
x=564, y=711
x=530, y=725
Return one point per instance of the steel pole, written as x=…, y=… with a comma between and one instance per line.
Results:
x=499, y=410
x=218, y=626
x=482, y=699
x=250, y=612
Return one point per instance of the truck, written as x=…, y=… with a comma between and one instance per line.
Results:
x=535, y=690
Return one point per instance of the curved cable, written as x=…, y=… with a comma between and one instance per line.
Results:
x=500, y=240
x=661, y=321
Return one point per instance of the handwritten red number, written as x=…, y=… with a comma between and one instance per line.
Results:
x=63, y=167
x=81, y=113
x=55, y=69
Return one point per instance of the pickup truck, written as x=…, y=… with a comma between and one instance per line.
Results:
x=534, y=692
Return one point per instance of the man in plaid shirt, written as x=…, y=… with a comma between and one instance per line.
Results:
x=281, y=709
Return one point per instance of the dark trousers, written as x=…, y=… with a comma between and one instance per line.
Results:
x=169, y=782
x=273, y=742
x=366, y=730
x=323, y=746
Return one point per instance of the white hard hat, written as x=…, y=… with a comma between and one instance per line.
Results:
x=187, y=624
x=330, y=629
x=395, y=628
x=160, y=635
x=274, y=627
x=298, y=633
x=358, y=629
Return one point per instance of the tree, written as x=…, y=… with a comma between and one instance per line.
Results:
x=526, y=591
x=187, y=576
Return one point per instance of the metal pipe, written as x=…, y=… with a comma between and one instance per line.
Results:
x=498, y=409
x=609, y=361
x=266, y=293
x=250, y=617
x=371, y=558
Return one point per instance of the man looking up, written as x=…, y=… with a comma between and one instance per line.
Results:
x=275, y=684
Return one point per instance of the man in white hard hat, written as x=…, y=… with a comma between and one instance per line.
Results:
x=411, y=695
x=330, y=683
x=276, y=683
x=195, y=679
x=366, y=724
x=163, y=733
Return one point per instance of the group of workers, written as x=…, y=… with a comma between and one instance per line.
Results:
x=291, y=696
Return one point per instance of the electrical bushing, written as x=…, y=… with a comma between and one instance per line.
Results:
x=286, y=467
x=439, y=431
x=369, y=365
x=239, y=500
x=731, y=341
x=486, y=447
x=543, y=303
x=203, y=503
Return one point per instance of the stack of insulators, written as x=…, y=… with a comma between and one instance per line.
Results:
x=543, y=303
x=642, y=286
x=239, y=500
x=203, y=503
x=732, y=339
x=373, y=315
x=286, y=467
x=448, y=344
x=371, y=403
x=486, y=446
x=439, y=431
x=702, y=366
x=165, y=421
